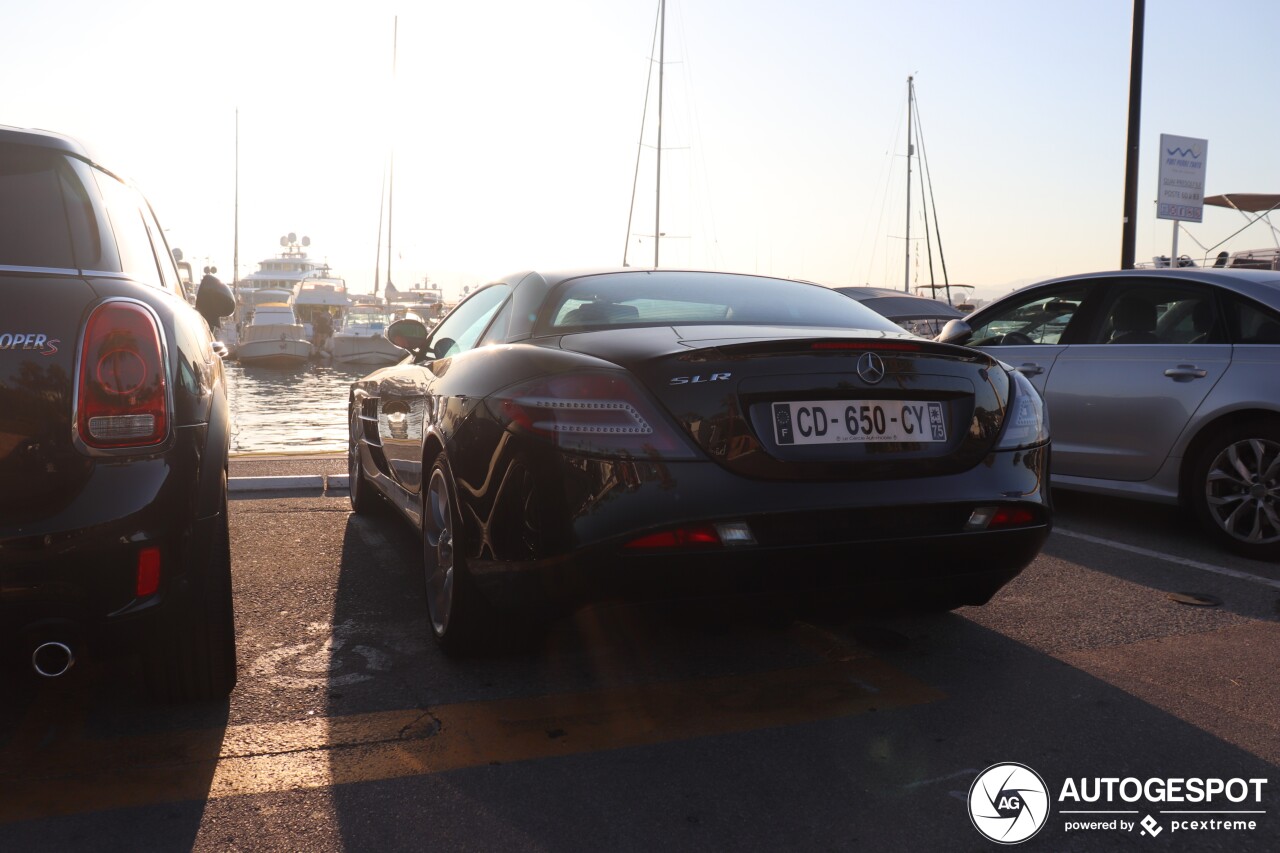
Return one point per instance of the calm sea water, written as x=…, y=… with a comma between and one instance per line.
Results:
x=278, y=410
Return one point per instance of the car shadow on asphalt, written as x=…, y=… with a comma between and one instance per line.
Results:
x=70, y=773
x=612, y=730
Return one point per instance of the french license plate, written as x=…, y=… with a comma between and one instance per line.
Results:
x=858, y=421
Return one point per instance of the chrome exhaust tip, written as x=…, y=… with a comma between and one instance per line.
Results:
x=52, y=659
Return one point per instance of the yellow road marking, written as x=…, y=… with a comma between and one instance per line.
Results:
x=82, y=774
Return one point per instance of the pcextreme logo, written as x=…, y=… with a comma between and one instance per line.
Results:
x=1009, y=803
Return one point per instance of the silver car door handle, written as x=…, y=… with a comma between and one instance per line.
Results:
x=1030, y=369
x=1186, y=372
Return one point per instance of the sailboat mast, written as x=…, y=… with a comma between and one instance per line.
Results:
x=235, y=250
x=906, y=272
x=391, y=172
x=657, y=205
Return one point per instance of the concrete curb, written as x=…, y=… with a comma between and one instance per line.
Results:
x=302, y=483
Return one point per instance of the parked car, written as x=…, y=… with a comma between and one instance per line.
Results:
x=919, y=315
x=1163, y=385
x=648, y=434
x=113, y=430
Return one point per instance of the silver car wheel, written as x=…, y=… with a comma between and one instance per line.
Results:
x=1242, y=490
x=437, y=535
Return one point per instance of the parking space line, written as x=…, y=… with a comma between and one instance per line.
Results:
x=92, y=774
x=1171, y=558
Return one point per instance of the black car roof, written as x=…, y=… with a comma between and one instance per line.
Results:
x=44, y=139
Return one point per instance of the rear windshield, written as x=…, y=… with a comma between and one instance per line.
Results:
x=49, y=215
x=685, y=298
x=33, y=221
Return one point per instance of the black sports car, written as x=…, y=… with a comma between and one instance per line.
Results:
x=562, y=438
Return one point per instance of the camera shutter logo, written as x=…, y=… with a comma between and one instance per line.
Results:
x=1008, y=803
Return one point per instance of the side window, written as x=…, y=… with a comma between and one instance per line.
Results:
x=160, y=248
x=1160, y=312
x=499, y=327
x=1253, y=324
x=461, y=330
x=1040, y=319
x=90, y=231
x=137, y=259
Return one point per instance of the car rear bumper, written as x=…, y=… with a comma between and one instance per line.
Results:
x=73, y=576
x=967, y=568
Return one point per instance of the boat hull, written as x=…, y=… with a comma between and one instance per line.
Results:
x=277, y=353
x=365, y=350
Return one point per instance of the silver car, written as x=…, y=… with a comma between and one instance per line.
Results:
x=1162, y=385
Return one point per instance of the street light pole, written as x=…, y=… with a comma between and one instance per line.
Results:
x=1130, y=230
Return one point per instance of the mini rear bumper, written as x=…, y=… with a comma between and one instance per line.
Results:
x=73, y=576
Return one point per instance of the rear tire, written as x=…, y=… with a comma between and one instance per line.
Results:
x=192, y=656
x=1235, y=488
x=462, y=621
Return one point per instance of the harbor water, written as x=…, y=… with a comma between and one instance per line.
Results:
x=302, y=410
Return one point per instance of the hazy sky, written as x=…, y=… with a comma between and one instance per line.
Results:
x=516, y=126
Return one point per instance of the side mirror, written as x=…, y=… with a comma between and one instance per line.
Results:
x=955, y=332
x=408, y=334
x=214, y=300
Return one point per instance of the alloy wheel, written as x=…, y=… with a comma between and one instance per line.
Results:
x=1242, y=490
x=437, y=534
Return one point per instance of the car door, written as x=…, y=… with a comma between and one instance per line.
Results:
x=1120, y=396
x=1029, y=330
x=408, y=404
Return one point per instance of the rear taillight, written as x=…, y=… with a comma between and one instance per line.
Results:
x=603, y=414
x=1026, y=421
x=122, y=396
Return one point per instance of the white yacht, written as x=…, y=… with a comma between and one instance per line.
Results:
x=285, y=270
x=273, y=337
x=362, y=339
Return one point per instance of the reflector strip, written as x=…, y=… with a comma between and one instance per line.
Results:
x=678, y=538
x=148, y=579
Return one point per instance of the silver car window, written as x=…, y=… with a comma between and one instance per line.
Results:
x=1040, y=319
x=1160, y=313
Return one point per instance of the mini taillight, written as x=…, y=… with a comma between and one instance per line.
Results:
x=122, y=396
x=598, y=413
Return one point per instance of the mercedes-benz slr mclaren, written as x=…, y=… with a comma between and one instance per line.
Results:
x=559, y=439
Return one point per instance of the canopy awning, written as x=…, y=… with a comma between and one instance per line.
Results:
x=1248, y=202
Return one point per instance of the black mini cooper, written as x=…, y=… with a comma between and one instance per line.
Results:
x=113, y=431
